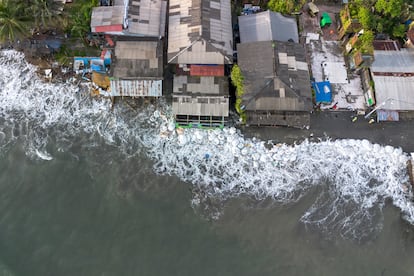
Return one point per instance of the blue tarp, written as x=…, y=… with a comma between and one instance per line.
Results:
x=94, y=63
x=323, y=92
x=53, y=43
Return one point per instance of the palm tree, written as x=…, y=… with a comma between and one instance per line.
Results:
x=43, y=12
x=13, y=22
x=81, y=21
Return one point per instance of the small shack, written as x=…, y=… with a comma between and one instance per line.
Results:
x=313, y=9
x=325, y=20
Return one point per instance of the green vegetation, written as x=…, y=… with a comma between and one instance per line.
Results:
x=286, y=6
x=80, y=17
x=237, y=80
x=13, y=21
x=365, y=42
x=22, y=18
x=382, y=16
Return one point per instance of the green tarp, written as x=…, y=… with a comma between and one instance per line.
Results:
x=325, y=20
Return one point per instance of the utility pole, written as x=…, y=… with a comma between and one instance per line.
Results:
x=377, y=107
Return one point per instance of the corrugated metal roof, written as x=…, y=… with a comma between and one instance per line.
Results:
x=393, y=61
x=207, y=22
x=147, y=17
x=119, y=2
x=207, y=70
x=201, y=106
x=135, y=88
x=275, y=76
x=107, y=16
x=267, y=25
x=138, y=59
x=386, y=45
x=205, y=85
x=394, y=93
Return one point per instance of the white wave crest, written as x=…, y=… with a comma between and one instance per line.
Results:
x=360, y=174
x=356, y=176
x=43, y=155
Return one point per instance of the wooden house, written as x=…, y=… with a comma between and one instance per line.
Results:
x=134, y=31
x=200, y=44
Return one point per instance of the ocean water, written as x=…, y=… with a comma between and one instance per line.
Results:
x=87, y=190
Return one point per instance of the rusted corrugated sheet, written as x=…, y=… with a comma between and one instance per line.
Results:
x=109, y=28
x=201, y=106
x=207, y=70
x=109, y=40
x=136, y=88
x=200, y=31
x=101, y=80
x=358, y=58
x=104, y=18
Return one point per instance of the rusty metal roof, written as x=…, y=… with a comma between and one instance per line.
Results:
x=393, y=75
x=276, y=76
x=106, y=17
x=138, y=59
x=139, y=18
x=394, y=93
x=200, y=96
x=386, y=45
x=137, y=70
x=135, y=88
x=201, y=85
x=200, y=31
x=147, y=17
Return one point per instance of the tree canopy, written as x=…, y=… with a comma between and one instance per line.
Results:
x=13, y=22
x=21, y=18
x=383, y=16
x=285, y=6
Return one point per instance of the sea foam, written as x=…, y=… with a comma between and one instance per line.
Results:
x=354, y=177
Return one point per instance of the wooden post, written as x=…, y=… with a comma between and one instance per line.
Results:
x=112, y=102
x=410, y=168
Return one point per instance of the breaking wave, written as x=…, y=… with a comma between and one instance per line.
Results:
x=354, y=178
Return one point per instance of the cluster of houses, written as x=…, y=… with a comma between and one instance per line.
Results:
x=387, y=72
x=200, y=50
x=195, y=38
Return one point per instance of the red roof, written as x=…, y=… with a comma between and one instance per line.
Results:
x=109, y=28
x=207, y=70
x=386, y=45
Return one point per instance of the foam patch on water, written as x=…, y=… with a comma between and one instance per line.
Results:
x=360, y=175
x=355, y=177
